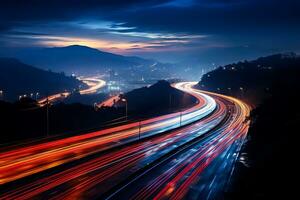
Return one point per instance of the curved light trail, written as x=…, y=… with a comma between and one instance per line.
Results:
x=201, y=169
x=94, y=85
x=24, y=161
x=192, y=161
x=52, y=98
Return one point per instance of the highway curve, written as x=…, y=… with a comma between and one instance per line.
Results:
x=195, y=159
x=93, y=83
x=199, y=170
x=21, y=161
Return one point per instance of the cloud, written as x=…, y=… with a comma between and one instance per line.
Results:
x=152, y=25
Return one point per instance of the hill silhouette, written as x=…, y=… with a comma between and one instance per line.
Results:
x=17, y=78
x=157, y=98
x=253, y=80
x=86, y=60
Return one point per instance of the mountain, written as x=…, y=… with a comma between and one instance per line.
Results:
x=17, y=78
x=83, y=60
x=254, y=80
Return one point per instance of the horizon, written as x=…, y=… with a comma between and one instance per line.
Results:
x=217, y=36
x=153, y=58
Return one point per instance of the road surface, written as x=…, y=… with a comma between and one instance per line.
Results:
x=93, y=83
x=23, y=161
x=195, y=159
x=109, y=102
x=52, y=98
x=199, y=170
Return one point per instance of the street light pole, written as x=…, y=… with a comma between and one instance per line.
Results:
x=242, y=92
x=126, y=108
x=47, y=115
x=180, y=117
x=1, y=95
x=139, y=130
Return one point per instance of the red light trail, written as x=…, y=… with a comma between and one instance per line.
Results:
x=99, y=175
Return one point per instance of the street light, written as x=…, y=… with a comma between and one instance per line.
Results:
x=47, y=116
x=242, y=92
x=126, y=107
x=1, y=94
x=95, y=106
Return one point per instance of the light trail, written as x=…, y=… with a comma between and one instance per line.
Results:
x=94, y=85
x=53, y=98
x=24, y=161
x=114, y=167
x=177, y=175
x=179, y=160
x=109, y=102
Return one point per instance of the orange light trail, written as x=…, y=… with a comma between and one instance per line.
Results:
x=110, y=165
x=107, y=170
x=94, y=85
x=24, y=161
x=174, y=184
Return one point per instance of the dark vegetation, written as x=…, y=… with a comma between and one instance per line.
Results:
x=272, y=85
x=253, y=80
x=157, y=99
x=271, y=149
x=88, y=99
x=17, y=78
x=25, y=120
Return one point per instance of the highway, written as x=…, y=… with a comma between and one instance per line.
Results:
x=52, y=98
x=199, y=170
x=94, y=84
x=109, y=102
x=23, y=161
x=156, y=158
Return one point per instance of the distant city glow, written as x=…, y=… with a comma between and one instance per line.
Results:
x=114, y=46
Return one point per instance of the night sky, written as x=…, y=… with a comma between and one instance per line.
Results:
x=171, y=31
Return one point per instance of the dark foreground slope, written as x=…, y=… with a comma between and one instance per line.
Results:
x=157, y=99
x=25, y=120
x=267, y=165
x=17, y=78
